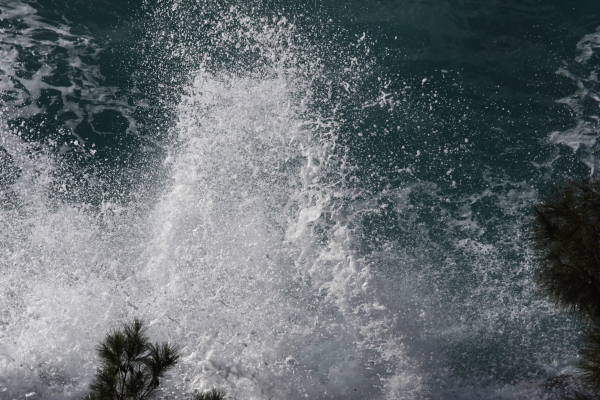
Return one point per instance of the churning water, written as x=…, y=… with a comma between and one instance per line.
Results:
x=325, y=200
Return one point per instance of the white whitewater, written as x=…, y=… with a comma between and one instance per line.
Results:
x=247, y=259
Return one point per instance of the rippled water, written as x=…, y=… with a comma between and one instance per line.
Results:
x=316, y=199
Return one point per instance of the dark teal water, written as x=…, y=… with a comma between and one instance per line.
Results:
x=384, y=156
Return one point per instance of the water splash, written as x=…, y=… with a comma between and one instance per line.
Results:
x=247, y=260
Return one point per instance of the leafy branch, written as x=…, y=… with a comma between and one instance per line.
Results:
x=132, y=367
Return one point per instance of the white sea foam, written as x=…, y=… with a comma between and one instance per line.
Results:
x=587, y=46
x=30, y=62
x=583, y=137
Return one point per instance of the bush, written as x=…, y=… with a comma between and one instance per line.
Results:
x=132, y=367
x=566, y=237
x=590, y=360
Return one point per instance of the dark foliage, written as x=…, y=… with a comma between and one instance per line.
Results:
x=590, y=360
x=579, y=393
x=132, y=367
x=566, y=237
x=214, y=394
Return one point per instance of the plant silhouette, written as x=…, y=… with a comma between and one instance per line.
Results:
x=589, y=365
x=132, y=367
x=566, y=237
x=213, y=394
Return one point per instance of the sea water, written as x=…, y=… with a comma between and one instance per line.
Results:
x=312, y=199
